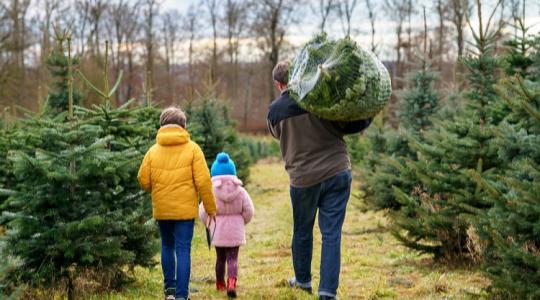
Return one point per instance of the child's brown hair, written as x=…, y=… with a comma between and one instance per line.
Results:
x=172, y=115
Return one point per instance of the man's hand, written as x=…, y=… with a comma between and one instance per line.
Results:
x=209, y=220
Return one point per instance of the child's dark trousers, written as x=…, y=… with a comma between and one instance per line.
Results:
x=226, y=256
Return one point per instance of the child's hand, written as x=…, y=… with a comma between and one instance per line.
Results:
x=209, y=220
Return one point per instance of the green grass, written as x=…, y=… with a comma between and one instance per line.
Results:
x=374, y=265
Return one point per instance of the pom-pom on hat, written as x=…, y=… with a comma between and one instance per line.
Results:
x=223, y=165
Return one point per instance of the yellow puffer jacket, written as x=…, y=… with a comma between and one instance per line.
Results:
x=175, y=172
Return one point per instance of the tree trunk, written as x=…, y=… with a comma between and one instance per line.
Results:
x=440, y=12
x=129, y=92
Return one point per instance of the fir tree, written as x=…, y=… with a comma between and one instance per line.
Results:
x=517, y=59
x=511, y=227
x=418, y=104
x=513, y=256
x=4, y=146
x=7, y=265
x=211, y=128
x=259, y=148
x=70, y=214
x=437, y=216
x=58, y=65
x=6, y=176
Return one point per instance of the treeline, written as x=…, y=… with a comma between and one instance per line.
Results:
x=460, y=180
x=230, y=45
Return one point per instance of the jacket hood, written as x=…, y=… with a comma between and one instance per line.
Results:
x=172, y=136
x=226, y=187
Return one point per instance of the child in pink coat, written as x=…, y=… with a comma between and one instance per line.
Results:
x=234, y=210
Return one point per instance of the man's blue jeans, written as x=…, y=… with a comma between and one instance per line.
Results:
x=176, y=254
x=330, y=197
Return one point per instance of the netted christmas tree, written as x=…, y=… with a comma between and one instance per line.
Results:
x=390, y=148
x=339, y=80
x=438, y=216
x=510, y=228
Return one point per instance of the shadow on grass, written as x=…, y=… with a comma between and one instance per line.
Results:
x=364, y=230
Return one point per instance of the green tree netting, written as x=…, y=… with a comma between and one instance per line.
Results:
x=338, y=80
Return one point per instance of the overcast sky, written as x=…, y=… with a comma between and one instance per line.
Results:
x=298, y=34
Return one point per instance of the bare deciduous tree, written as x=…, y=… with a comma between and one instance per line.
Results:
x=16, y=12
x=271, y=23
x=123, y=28
x=151, y=10
x=171, y=38
x=213, y=6
x=14, y=43
x=48, y=7
x=96, y=10
x=115, y=19
x=235, y=21
x=82, y=12
x=441, y=7
x=191, y=27
x=370, y=6
x=346, y=12
x=323, y=11
x=47, y=16
x=398, y=11
x=131, y=28
x=459, y=10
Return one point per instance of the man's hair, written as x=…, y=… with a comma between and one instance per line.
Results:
x=172, y=115
x=280, y=73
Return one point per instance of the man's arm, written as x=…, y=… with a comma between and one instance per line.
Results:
x=274, y=130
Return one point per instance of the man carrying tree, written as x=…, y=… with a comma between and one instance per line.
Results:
x=319, y=169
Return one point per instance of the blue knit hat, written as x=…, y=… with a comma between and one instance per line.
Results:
x=223, y=165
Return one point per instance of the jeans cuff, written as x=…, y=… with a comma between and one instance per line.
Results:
x=306, y=285
x=325, y=293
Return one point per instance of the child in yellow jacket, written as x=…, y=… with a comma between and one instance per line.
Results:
x=174, y=170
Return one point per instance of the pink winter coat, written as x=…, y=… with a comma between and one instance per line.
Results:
x=234, y=210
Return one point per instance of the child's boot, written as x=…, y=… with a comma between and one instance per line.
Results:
x=220, y=285
x=231, y=287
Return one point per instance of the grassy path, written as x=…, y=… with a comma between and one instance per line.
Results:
x=374, y=265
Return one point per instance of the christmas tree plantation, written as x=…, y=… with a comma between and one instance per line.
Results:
x=438, y=215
